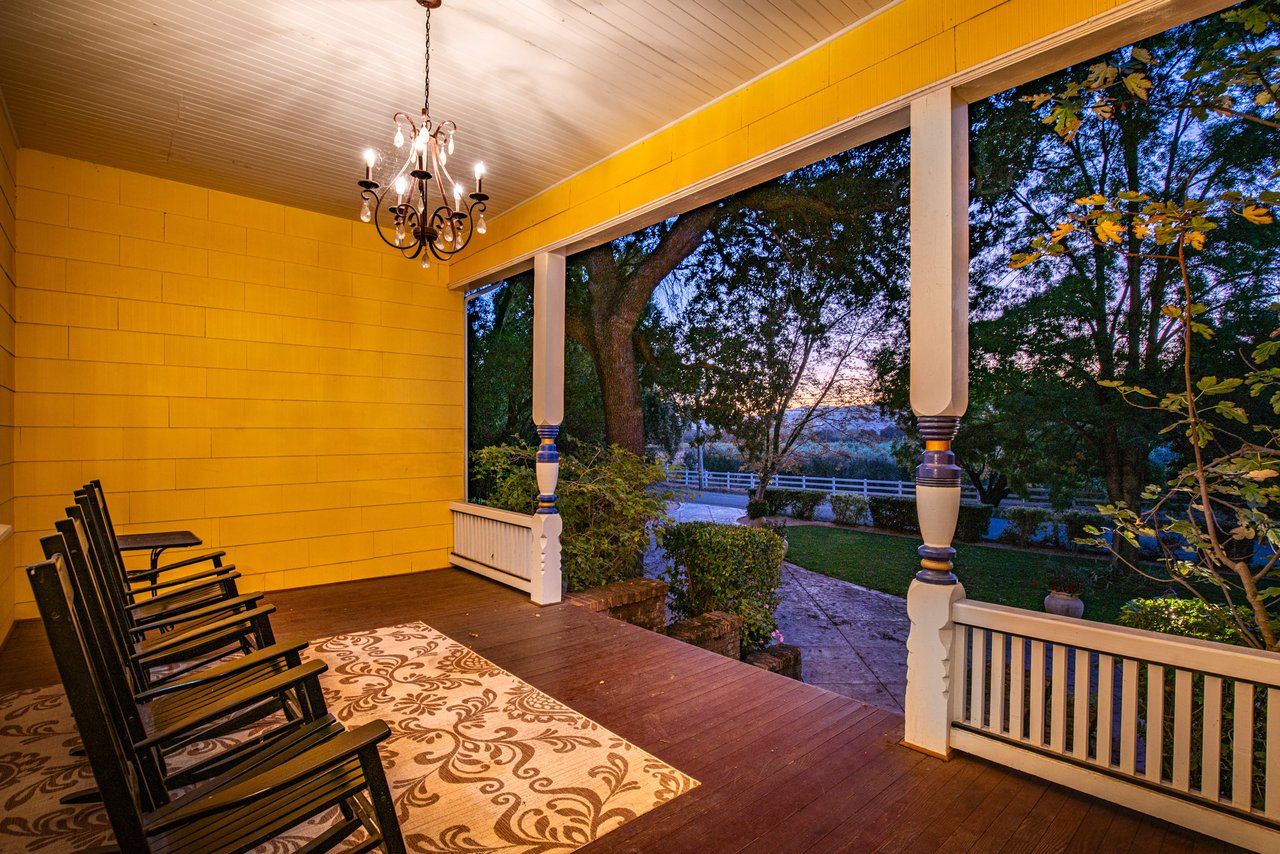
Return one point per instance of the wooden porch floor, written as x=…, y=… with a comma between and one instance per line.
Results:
x=785, y=767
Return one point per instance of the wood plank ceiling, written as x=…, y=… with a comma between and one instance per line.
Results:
x=276, y=100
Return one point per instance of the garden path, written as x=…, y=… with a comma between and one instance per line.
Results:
x=853, y=640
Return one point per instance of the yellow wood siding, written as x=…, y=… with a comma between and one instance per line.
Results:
x=268, y=377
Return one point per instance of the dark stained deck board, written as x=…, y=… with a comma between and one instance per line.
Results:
x=784, y=766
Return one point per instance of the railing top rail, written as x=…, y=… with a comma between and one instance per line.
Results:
x=510, y=517
x=1232, y=662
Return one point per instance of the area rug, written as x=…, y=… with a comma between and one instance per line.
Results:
x=477, y=761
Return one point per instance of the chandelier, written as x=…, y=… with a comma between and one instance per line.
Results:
x=419, y=205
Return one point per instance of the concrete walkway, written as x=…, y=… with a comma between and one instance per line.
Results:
x=853, y=640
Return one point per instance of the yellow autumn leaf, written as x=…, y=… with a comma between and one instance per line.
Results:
x=1257, y=215
x=1061, y=231
x=1109, y=231
x=1138, y=85
x=1263, y=474
x=1095, y=199
x=1194, y=239
x=1037, y=101
x=1141, y=54
x=1140, y=230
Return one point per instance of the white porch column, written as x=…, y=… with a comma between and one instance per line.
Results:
x=939, y=396
x=548, y=412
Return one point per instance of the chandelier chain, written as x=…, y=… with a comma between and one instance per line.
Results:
x=426, y=68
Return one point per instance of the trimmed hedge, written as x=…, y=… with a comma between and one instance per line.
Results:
x=849, y=508
x=899, y=514
x=725, y=568
x=796, y=503
x=1025, y=523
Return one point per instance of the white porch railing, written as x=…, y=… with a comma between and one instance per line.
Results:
x=1183, y=729
x=518, y=550
x=1037, y=496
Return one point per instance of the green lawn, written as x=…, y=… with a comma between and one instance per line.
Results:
x=888, y=563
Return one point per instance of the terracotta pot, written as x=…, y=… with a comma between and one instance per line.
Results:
x=1063, y=604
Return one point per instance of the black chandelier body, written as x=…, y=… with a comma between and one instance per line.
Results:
x=412, y=212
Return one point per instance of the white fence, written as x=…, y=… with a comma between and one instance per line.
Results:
x=1183, y=729
x=1037, y=496
x=518, y=550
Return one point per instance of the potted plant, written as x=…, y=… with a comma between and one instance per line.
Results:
x=1065, y=586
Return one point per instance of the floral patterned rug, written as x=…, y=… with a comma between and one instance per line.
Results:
x=477, y=761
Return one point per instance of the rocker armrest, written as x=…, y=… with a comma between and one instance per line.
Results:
x=228, y=606
x=224, y=706
x=335, y=751
x=287, y=650
x=178, y=592
x=134, y=575
x=194, y=633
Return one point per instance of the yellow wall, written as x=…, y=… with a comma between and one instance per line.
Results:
x=8, y=266
x=911, y=45
x=269, y=378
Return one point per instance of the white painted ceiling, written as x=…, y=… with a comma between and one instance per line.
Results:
x=276, y=99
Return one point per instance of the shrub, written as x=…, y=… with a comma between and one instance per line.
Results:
x=1025, y=523
x=893, y=514
x=899, y=514
x=776, y=501
x=605, y=502
x=973, y=523
x=757, y=509
x=725, y=568
x=1190, y=618
x=849, y=509
x=805, y=502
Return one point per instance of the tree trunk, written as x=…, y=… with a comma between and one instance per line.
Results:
x=616, y=369
x=1123, y=470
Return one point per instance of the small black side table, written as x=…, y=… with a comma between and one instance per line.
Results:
x=157, y=542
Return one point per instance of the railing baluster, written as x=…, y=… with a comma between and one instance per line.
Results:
x=1058, y=700
x=959, y=671
x=1211, y=744
x=1182, y=730
x=1155, y=721
x=1036, y=730
x=1080, y=725
x=1271, y=767
x=1106, y=695
x=1242, y=746
x=1128, y=717
x=997, y=681
x=1017, y=685
x=978, y=679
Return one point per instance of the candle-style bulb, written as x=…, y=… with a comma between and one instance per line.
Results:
x=399, y=140
x=401, y=185
x=457, y=197
x=365, y=213
x=480, y=177
x=370, y=157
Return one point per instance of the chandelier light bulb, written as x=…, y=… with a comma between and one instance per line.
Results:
x=420, y=141
x=402, y=184
x=481, y=225
x=370, y=157
x=399, y=140
x=480, y=176
x=365, y=213
x=457, y=197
